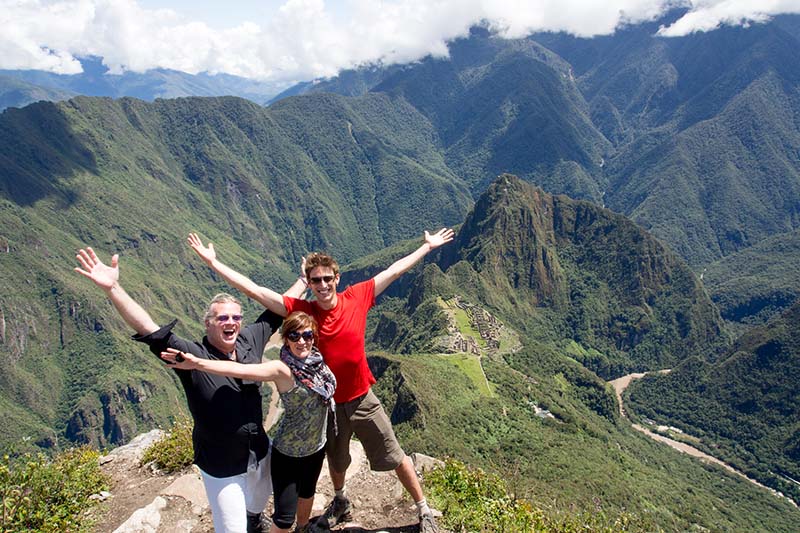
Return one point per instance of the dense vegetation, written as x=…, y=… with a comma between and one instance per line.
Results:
x=49, y=495
x=569, y=273
x=758, y=283
x=473, y=500
x=745, y=407
x=695, y=138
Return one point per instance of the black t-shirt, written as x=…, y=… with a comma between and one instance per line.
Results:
x=228, y=419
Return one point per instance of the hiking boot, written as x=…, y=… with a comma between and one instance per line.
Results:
x=255, y=523
x=339, y=510
x=309, y=528
x=427, y=524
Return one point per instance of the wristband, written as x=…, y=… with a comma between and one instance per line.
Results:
x=303, y=279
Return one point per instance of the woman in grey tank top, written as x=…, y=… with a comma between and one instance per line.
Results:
x=306, y=387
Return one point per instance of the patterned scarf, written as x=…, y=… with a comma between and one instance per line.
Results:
x=315, y=375
x=311, y=372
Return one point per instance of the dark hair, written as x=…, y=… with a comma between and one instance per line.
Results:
x=318, y=259
x=299, y=321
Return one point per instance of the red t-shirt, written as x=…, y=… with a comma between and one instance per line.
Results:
x=341, y=337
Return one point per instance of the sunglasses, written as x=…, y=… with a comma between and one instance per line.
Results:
x=295, y=336
x=317, y=280
x=224, y=318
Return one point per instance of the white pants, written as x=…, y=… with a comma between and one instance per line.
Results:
x=231, y=498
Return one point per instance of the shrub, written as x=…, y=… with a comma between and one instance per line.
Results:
x=49, y=495
x=472, y=500
x=174, y=450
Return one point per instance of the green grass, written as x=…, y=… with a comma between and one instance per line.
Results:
x=173, y=451
x=475, y=501
x=470, y=365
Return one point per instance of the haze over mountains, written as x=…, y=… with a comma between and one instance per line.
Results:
x=19, y=88
x=519, y=143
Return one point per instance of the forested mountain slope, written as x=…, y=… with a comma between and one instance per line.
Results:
x=696, y=138
x=133, y=177
x=746, y=406
x=497, y=330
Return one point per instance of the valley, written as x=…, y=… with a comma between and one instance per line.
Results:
x=620, y=384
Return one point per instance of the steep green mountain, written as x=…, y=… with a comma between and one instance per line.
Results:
x=348, y=83
x=17, y=93
x=492, y=373
x=757, y=283
x=707, y=146
x=95, y=80
x=497, y=106
x=745, y=406
x=134, y=177
x=507, y=106
x=571, y=273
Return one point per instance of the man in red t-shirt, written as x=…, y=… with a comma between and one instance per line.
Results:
x=342, y=319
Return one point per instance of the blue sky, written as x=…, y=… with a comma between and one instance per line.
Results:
x=284, y=41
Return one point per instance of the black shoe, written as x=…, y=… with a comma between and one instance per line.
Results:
x=255, y=523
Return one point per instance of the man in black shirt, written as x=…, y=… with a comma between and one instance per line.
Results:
x=230, y=445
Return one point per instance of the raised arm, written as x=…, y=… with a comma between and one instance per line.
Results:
x=301, y=283
x=266, y=297
x=107, y=278
x=401, y=266
x=267, y=371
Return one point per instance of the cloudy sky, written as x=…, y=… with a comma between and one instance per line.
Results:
x=292, y=40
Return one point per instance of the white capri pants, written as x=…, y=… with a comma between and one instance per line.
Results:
x=231, y=498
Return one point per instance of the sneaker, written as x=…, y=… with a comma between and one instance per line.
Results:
x=255, y=523
x=339, y=510
x=427, y=524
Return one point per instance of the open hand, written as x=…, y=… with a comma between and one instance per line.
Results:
x=443, y=236
x=206, y=253
x=303, y=269
x=102, y=275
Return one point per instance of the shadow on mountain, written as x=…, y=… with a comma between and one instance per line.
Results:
x=40, y=153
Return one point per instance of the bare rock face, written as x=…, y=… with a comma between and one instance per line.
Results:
x=108, y=419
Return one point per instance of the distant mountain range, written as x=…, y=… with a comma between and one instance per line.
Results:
x=19, y=88
x=692, y=137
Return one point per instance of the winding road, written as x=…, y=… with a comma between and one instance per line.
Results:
x=620, y=384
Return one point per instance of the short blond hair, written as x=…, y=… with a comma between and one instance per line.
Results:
x=220, y=298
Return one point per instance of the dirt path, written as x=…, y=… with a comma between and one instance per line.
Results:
x=622, y=383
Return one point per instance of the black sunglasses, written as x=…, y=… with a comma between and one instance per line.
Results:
x=316, y=280
x=294, y=336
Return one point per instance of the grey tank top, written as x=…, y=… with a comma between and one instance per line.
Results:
x=301, y=431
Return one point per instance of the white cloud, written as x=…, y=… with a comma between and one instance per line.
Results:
x=707, y=15
x=305, y=39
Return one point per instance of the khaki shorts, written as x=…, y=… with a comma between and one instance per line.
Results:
x=366, y=418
